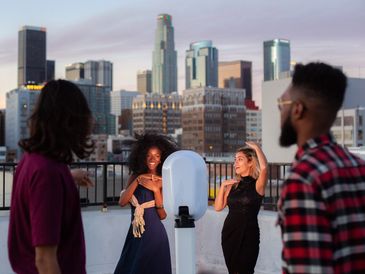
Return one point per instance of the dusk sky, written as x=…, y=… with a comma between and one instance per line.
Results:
x=122, y=32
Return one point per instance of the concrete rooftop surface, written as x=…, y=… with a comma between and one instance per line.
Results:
x=105, y=233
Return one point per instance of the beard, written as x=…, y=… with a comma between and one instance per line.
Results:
x=288, y=135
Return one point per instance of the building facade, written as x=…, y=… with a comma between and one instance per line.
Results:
x=349, y=126
x=276, y=59
x=236, y=74
x=32, y=48
x=253, y=126
x=100, y=153
x=271, y=90
x=164, y=57
x=75, y=72
x=50, y=72
x=20, y=103
x=144, y=81
x=2, y=127
x=213, y=120
x=156, y=113
x=99, y=72
x=98, y=98
x=201, y=65
x=121, y=107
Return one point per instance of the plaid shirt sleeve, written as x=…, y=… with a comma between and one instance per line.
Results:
x=305, y=228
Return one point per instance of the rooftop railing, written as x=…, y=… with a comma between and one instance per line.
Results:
x=111, y=177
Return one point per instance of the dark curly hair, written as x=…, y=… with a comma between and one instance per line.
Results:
x=60, y=124
x=137, y=158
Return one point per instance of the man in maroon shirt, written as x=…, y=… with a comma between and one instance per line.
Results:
x=45, y=229
x=322, y=203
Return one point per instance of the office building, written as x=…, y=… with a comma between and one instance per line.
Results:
x=98, y=98
x=156, y=113
x=271, y=90
x=201, y=65
x=75, y=72
x=32, y=64
x=236, y=74
x=99, y=72
x=100, y=153
x=144, y=81
x=213, y=120
x=119, y=147
x=2, y=127
x=276, y=59
x=20, y=103
x=121, y=107
x=50, y=72
x=253, y=125
x=349, y=127
x=164, y=57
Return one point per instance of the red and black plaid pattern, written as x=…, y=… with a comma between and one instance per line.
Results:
x=322, y=210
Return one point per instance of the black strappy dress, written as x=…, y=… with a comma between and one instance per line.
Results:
x=240, y=233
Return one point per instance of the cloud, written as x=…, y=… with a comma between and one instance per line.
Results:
x=329, y=29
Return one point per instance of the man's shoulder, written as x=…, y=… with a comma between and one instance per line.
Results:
x=42, y=161
x=35, y=163
x=326, y=161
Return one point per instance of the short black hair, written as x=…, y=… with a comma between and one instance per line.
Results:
x=322, y=82
x=60, y=124
x=137, y=159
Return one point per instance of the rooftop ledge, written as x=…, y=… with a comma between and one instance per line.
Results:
x=105, y=233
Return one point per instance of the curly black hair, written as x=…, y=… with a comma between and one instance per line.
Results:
x=60, y=124
x=137, y=158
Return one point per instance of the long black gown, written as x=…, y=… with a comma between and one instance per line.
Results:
x=240, y=234
x=149, y=254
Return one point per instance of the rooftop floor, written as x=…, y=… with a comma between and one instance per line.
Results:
x=105, y=234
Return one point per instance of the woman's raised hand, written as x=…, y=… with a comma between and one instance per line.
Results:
x=150, y=181
x=230, y=182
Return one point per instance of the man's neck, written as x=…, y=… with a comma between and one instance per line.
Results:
x=305, y=136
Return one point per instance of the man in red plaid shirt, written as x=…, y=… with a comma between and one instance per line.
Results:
x=322, y=203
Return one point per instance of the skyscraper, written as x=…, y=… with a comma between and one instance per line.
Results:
x=98, y=98
x=32, y=64
x=164, y=57
x=2, y=127
x=100, y=73
x=201, y=65
x=236, y=74
x=121, y=108
x=213, y=120
x=50, y=72
x=276, y=58
x=144, y=81
x=75, y=71
x=20, y=103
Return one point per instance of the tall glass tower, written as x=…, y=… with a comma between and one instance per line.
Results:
x=164, y=57
x=201, y=65
x=32, y=63
x=276, y=58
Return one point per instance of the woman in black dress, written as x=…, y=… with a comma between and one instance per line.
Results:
x=243, y=195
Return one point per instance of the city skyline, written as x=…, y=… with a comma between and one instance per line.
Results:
x=123, y=33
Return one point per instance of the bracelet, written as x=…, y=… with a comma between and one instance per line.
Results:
x=159, y=207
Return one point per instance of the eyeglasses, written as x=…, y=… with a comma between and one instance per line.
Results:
x=282, y=102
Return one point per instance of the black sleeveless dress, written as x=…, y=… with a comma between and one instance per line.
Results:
x=240, y=233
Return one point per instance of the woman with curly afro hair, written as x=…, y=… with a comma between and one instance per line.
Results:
x=146, y=249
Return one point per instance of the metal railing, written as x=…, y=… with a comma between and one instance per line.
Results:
x=111, y=177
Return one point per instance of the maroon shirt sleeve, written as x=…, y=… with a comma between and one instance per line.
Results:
x=45, y=206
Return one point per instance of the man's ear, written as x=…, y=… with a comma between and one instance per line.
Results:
x=298, y=110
